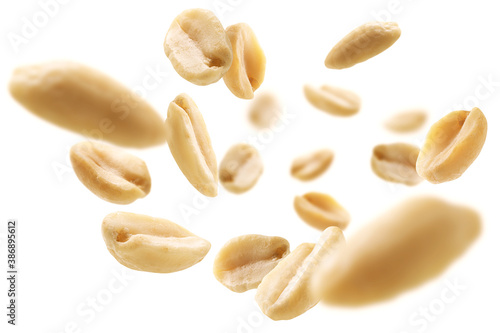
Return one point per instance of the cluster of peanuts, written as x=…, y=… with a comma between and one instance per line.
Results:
x=410, y=244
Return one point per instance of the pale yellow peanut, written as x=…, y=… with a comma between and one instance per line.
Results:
x=109, y=172
x=395, y=162
x=190, y=144
x=241, y=168
x=406, y=121
x=363, y=43
x=286, y=292
x=86, y=101
x=249, y=62
x=312, y=165
x=151, y=244
x=243, y=261
x=265, y=110
x=321, y=211
x=402, y=249
x=451, y=145
x=333, y=100
x=198, y=47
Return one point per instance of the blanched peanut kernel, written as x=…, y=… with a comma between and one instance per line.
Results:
x=333, y=100
x=407, y=121
x=241, y=168
x=363, y=43
x=110, y=173
x=451, y=145
x=249, y=62
x=312, y=165
x=198, y=47
x=321, y=211
x=396, y=163
x=243, y=261
x=151, y=244
x=190, y=144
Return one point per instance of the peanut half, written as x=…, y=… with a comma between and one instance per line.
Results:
x=406, y=121
x=265, y=110
x=151, y=244
x=396, y=163
x=312, y=165
x=86, y=101
x=110, y=173
x=405, y=247
x=363, y=43
x=243, y=261
x=249, y=62
x=190, y=144
x=333, y=100
x=321, y=211
x=198, y=47
x=241, y=168
x=451, y=145
x=286, y=292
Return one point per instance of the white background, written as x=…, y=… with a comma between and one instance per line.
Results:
x=445, y=50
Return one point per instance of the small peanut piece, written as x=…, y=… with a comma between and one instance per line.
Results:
x=247, y=70
x=190, y=144
x=333, y=100
x=363, y=43
x=396, y=163
x=286, y=292
x=402, y=249
x=406, y=121
x=321, y=211
x=241, y=168
x=243, y=261
x=198, y=47
x=451, y=145
x=312, y=165
x=151, y=244
x=86, y=101
x=265, y=110
x=110, y=173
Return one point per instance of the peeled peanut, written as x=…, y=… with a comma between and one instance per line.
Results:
x=402, y=249
x=110, y=173
x=241, y=168
x=265, y=110
x=363, y=43
x=396, y=163
x=190, y=144
x=151, y=244
x=406, y=121
x=451, y=145
x=86, y=101
x=333, y=100
x=312, y=165
x=198, y=47
x=321, y=211
x=243, y=261
x=286, y=292
x=249, y=62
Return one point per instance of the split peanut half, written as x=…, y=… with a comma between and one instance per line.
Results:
x=406, y=121
x=265, y=110
x=363, y=43
x=110, y=173
x=241, y=168
x=190, y=144
x=451, y=145
x=312, y=165
x=286, y=292
x=151, y=244
x=333, y=100
x=249, y=62
x=321, y=211
x=402, y=249
x=86, y=101
x=243, y=261
x=396, y=163
x=198, y=47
